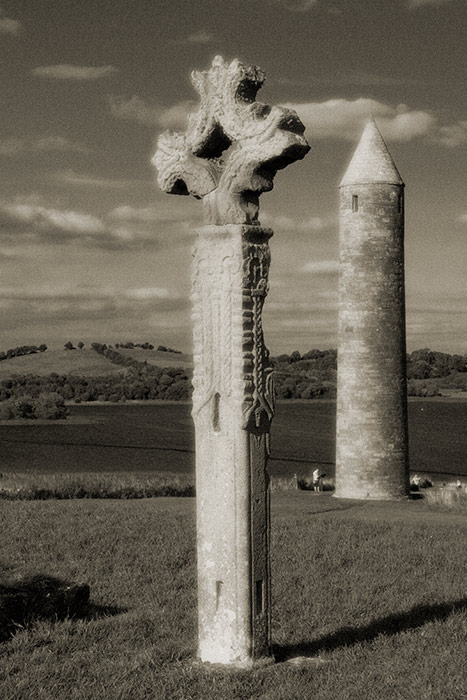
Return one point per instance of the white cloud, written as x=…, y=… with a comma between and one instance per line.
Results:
x=176, y=117
x=145, y=215
x=320, y=267
x=344, y=119
x=419, y=3
x=57, y=143
x=297, y=5
x=453, y=135
x=287, y=223
x=201, y=37
x=10, y=26
x=15, y=146
x=296, y=309
x=11, y=147
x=30, y=220
x=145, y=293
x=138, y=110
x=53, y=219
x=68, y=72
x=70, y=177
x=134, y=109
x=62, y=303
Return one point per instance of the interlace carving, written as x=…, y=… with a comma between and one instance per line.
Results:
x=233, y=146
x=259, y=396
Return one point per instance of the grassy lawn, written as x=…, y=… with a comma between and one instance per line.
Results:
x=372, y=595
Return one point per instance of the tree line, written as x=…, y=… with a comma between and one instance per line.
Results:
x=22, y=350
x=304, y=376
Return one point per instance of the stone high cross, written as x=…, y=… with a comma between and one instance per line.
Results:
x=229, y=156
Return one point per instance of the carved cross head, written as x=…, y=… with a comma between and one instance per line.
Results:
x=233, y=145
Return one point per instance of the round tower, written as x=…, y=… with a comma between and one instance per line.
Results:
x=372, y=435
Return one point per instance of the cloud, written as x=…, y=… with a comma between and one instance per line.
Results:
x=134, y=109
x=59, y=305
x=297, y=5
x=344, y=119
x=176, y=117
x=34, y=218
x=10, y=26
x=453, y=135
x=320, y=267
x=298, y=310
x=463, y=219
x=287, y=223
x=144, y=293
x=11, y=146
x=348, y=76
x=200, y=37
x=29, y=220
x=16, y=146
x=413, y=4
x=164, y=211
x=70, y=177
x=67, y=72
x=138, y=110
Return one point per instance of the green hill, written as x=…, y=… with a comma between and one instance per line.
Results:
x=158, y=357
x=86, y=362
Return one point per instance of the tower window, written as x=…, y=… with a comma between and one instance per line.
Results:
x=355, y=202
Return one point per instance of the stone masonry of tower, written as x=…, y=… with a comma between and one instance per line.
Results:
x=372, y=435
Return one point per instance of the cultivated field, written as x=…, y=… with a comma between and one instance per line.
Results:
x=370, y=598
x=86, y=362
x=82, y=362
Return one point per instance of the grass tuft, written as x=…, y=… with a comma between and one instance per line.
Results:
x=122, y=485
x=451, y=496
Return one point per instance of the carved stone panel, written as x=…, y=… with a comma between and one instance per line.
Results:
x=233, y=146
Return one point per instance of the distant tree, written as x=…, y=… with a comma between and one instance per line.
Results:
x=69, y=346
x=81, y=345
x=43, y=347
x=50, y=406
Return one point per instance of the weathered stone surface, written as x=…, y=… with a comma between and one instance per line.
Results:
x=233, y=404
x=233, y=146
x=372, y=441
x=228, y=157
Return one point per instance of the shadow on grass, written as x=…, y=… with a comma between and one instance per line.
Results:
x=390, y=625
x=43, y=597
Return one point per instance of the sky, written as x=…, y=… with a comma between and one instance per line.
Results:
x=91, y=250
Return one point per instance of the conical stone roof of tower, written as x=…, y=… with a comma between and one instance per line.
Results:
x=371, y=161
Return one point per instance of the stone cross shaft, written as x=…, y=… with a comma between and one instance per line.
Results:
x=228, y=156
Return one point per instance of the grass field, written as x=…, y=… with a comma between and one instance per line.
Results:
x=85, y=362
x=371, y=595
x=158, y=357
x=81, y=362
